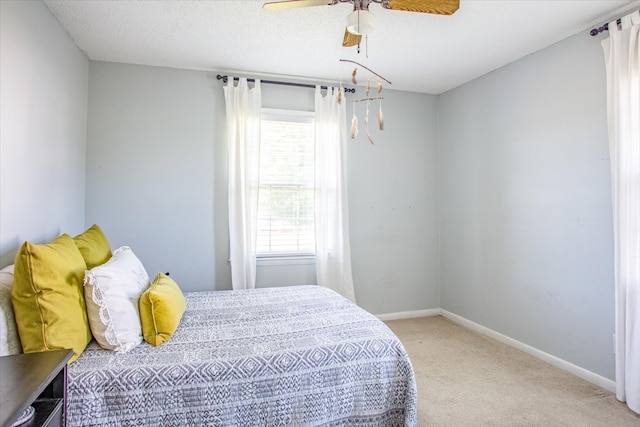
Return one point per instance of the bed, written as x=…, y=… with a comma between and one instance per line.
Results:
x=296, y=356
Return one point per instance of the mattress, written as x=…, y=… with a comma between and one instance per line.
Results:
x=298, y=356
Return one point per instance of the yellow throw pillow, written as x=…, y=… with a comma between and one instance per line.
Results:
x=48, y=299
x=93, y=246
x=161, y=308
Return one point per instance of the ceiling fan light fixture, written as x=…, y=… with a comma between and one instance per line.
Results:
x=360, y=22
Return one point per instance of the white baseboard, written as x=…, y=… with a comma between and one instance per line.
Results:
x=593, y=378
x=586, y=375
x=410, y=314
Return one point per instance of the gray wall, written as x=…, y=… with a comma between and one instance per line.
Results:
x=525, y=203
x=151, y=169
x=43, y=105
x=156, y=181
x=393, y=192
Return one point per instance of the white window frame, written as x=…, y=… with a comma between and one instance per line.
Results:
x=281, y=258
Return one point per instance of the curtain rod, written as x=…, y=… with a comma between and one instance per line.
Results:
x=605, y=27
x=272, y=82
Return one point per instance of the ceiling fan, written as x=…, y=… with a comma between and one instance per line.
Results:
x=361, y=21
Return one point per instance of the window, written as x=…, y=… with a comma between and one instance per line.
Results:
x=286, y=224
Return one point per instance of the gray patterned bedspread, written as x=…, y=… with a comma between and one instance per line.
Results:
x=296, y=356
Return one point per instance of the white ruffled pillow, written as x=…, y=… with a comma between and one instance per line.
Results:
x=9, y=338
x=112, y=291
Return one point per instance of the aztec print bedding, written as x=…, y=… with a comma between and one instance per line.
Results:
x=298, y=356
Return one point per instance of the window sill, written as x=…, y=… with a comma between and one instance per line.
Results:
x=269, y=260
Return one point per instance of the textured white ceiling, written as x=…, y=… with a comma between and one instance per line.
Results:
x=415, y=51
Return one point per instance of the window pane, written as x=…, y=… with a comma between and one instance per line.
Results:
x=286, y=194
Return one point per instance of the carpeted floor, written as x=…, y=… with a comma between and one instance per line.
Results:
x=467, y=379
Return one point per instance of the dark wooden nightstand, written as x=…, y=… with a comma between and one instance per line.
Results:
x=36, y=379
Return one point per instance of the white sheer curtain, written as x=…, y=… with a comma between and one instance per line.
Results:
x=243, y=144
x=333, y=250
x=622, y=56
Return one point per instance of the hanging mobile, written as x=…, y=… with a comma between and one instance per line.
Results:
x=366, y=124
x=354, y=123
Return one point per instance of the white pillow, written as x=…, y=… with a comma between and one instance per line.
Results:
x=9, y=338
x=111, y=292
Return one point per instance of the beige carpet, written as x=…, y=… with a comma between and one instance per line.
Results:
x=467, y=379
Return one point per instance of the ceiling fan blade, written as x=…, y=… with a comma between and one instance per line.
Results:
x=440, y=7
x=350, y=39
x=294, y=4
